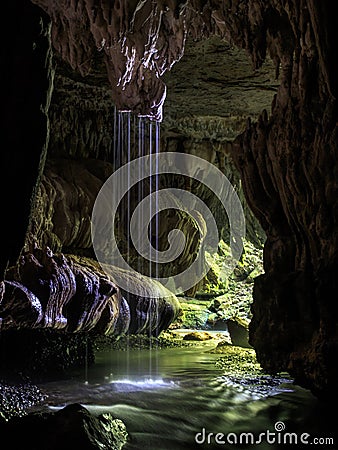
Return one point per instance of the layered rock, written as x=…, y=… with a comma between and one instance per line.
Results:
x=153, y=309
x=47, y=290
x=73, y=294
x=147, y=306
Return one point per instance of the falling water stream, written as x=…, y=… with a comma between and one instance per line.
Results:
x=134, y=140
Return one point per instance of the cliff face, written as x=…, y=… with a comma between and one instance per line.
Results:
x=285, y=155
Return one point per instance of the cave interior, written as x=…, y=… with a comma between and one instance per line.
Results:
x=250, y=88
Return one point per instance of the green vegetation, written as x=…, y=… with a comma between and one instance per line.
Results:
x=221, y=298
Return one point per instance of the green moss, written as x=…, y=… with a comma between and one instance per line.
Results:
x=241, y=369
x=194, y=314
x=139, y=341
x=218, y=281
x=237, y=361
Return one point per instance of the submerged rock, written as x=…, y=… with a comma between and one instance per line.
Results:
x=69, y=428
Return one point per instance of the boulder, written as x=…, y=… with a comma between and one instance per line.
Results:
x=239, y=332
x=69, y=428
x=197, y=336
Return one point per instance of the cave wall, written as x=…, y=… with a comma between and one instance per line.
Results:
x=88, y=142
x=26, y=83
x=288, y=167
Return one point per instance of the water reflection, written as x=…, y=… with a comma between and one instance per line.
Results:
x=169, y=396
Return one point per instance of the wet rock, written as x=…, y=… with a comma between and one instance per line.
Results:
x=47, y=290
x=197, y=336
x=43, y=353
x=96, y=298
x=18, y=397
x=239, y=332
x=152, y=307
x=123, y=320
x=49, y=305
x=147, y=308
x=69, y=298
x=19, y=306
x=69, y=428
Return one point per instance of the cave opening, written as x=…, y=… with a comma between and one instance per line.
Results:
x=138, y=352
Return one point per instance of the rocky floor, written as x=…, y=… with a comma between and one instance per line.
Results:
x=15, y=399
x=241, y=369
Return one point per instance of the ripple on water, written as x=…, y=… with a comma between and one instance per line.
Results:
x=184, y=392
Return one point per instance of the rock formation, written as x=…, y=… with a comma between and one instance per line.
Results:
x=286, y=158
x=287, y=167
x=74, y=294
x=71, y=426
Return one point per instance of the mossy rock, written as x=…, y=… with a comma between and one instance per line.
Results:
x=197, y=336
x=237, y=360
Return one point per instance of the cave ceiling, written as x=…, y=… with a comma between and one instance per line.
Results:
x=168, y=62
x=213, y=89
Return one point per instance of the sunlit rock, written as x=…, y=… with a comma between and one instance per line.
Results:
x=197, y=336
